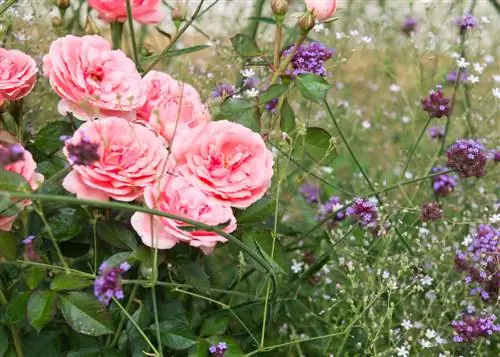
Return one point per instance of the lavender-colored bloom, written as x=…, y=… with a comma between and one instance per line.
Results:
x=332, y=205
x=107, y=285
x=309, y=59
x=218, y=350
x=365, y=212
x=310, y=192
x=11, y=154
x=431, y=211
x=452, y=76
x=409, y=26
x=29, y=249
x=443, y=184
x=436, y=104
x=494, y=155
x=436, y=132
x=469, y=327
x=467, y=157
x=251, y=82
x=271, y=105
x=466, y=22
x=83, y=153
x=224, y=90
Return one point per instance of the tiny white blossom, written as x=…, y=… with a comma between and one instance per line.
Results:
x=467, y=241
x=430, y=334
x=319, y=27
x=366, y=124
x=426, y=280
x=297, y=266
x=462, y=63
x=327, y=169
x=439, y=340
x=340, y=35
x=496, y=92
x=489, y=59
x=473, y=79
x=405, y=119
x=485, y=20
x=354, y=33
x=408, y=175
x=425, y=343
x=252, y=93
x=496, y=78
x=495, y=218
x=403, y=351
x=423, y=232
x=478, y=67
x=385, y=274
x=407, y=324
x=455, y=55
x=394, y=88
x=247, y=72
x=366, y=39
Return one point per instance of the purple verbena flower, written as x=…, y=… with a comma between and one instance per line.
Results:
x=271, y=105
x=309, y=59
x=436, y=104
x=310, y=192
x=218, y=350
x=409, y=26
x=365, y=212
x=431, y=211
x=332, y=205
x=443, y=184
x=470, y=327
x=107, y=285
x=224, y=90
x=452, y=76
x=467, y=157
x=82, y=153
x=436, y=132
x=11, y=154
x=30, y=250
x=251, y=82
x=466, y=22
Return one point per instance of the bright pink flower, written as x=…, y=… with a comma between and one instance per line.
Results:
x=17, y=74
x=172, y=106
x=227, y=161
x=176, y=196
x=92, y=79
x=131, y=157
x=26, y=168
x=143, y=11
x=322, y=9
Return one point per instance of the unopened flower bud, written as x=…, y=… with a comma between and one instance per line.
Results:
x=307, y=22
x=179, y=12
x=56, y=21
x=91, y=27
x=63, y=4
x=279, y=7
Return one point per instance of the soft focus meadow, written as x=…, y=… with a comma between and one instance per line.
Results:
x=306, y=178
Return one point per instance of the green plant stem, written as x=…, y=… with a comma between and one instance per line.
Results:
x=6, y=6
x=282, y=68
x=16, y=339
x=57, y=175
x=414, y=149
x=157, y=321
x=132, y=33
x=116, y=34
x=178, y=34
x=116, y=336
x=277, y=43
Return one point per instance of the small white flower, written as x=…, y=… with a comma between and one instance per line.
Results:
x=496, y=92
x=252, y=93
x=354, y=33
x=425, y=343
x=340, y=35
x=473, y=79
x=426, y=280
x=496, y=217
x=485, y=20
x=247, y=72
x=430, y=334
x=467, y=241
x=408, y=175
x=327, y=170
x=405, y=119
x=407, y=324
x=423, y=232
x=489, y=59
x=385, y=274
x=455, y=55
x=394, y=88
x=431, y=295
x=297, y=266
x=478, y=68
x=366, y=124
x=402, y=351
x=496, y=78
x=439, y=340
x=319, y=27
x=366, y=39
x=462, y=63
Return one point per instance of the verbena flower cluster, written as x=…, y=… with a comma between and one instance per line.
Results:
x=436, y=132
x=431, y=211
x=364, y=212
x=309, y=59
x=443, y=184
x=218, y=350
x=470, y=327
x=466, y=22
x=107, y=285
x=467, y=157
x=436, y=104
x=82, y=153
x=11, y=154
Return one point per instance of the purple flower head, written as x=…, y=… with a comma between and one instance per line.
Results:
x=436, y=104
x=494, y=155
x=409, y=26
x=443, y=184
x=107, y=285
x=365, y=212
x=431, y=211
x=436, y=132
x=83, y=153
x=452, y=76
x=11, y=154
x=309, y=59
x=466, y=22
x=310, y=192
x=30, y=249
x=467, y=157
x=28, y=240
x=332, y=205
x=251, y=82
x=469, y=328
x=271, y=105
x=218, y=350
x=223, y=90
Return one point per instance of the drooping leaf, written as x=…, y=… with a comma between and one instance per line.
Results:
x=8, y=207
x=318, y=144
x=287, y=122
x=41, y=308
x=245, y=46
x=8, y=244
x=313, y=87
x=262, y=242
x=258, y=212
x=274, y=91
x=15, y=311
x=11, y=181
x=195, y=275
x=235, y=106
x=34, y=276
x=176, y=334
x=214, y=325
x=69, y=282
x=116, y=234
x=47, y=139
x=67, y=223
x=85, y=314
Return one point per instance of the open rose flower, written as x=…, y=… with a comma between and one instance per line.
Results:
x=172, y=106
x=143, y=11
x=322, y=9
x=227, y=161
x=175, y=195
x=131, y=158
x=26, y=168
x=17, y=74
x=92, y=79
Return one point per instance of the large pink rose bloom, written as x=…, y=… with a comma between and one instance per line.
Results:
x=17, y=74
x=227, y=161
x=92, y=79
x=131, y=158
x=143, y=11
x=176, y=196
x=26, y=168
x=322, y=9
x=171, y=106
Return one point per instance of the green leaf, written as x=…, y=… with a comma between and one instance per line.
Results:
x=195, y=275
x=4, y=341
x=261, y=241
x=233, y=348
x=258, y=212
x=85, y=314
x=313, y=87
x=245, y=46
x=67, y=223
x=318, y=144
x=117, y=235
x=274, y=91
x=118, y=258
x=34, y=276
x=287, y=122
x=15, y=311
x=248, y=119
x=45, y=343
x=199, y=350
x=176, y=334
x=8, y=206
x=10, y=181
x=214, y=325
x=47, y=139
x=69, y=282
x=8, y=244
x=235, y=106
x=41, y=308
x=136, y=341
x=185, y=51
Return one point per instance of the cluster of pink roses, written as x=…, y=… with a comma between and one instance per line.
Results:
x=156, y=142
x=143, y=11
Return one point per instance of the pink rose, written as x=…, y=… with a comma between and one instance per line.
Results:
x=322, y=9
x=143, y=11
x=26, y=168
x=17, y=74
x=176, y=196
x=92, y=79
x=172, y=106
x=227, y=161
x=131, y=157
